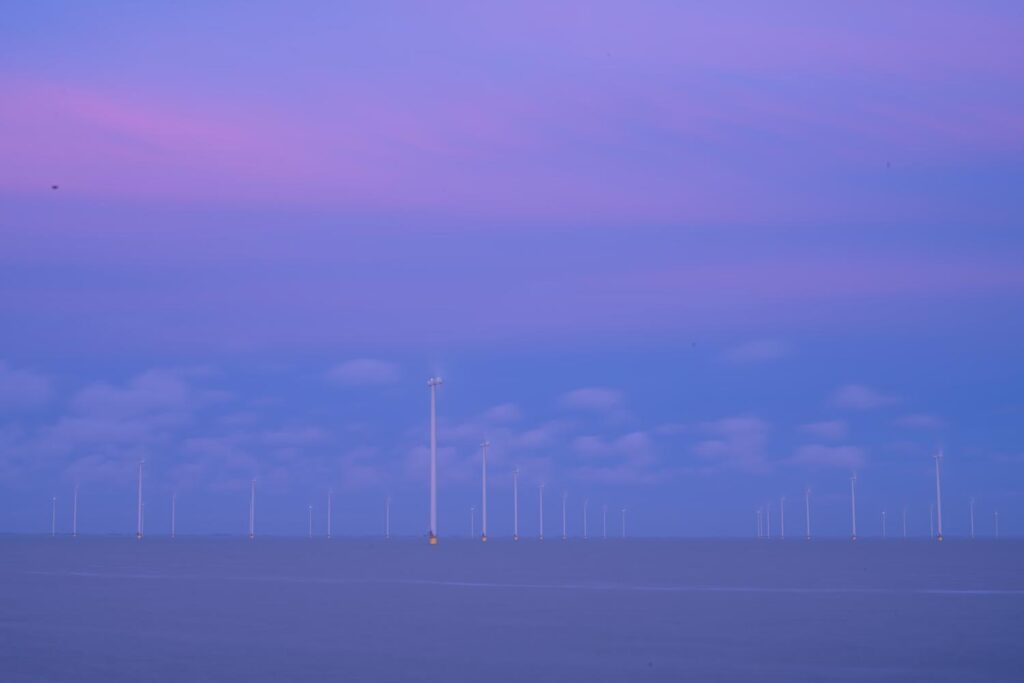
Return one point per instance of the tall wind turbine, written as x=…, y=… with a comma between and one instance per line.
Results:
x=387, y=517
x=483, y=490
x=972, y=518
x=565, y=533
x=782, y=518
x=174, y=512
x=853, y=506
x=807, y=511
x=604, y=520
x=138, y=525
x=433, y=383
x=53, y=516
x=252, y=509
x=586, y=504
x=310, y=512
x=74, y=514
x=938, y=493
x=542, y=511
x=330, y=501
x=515, y=504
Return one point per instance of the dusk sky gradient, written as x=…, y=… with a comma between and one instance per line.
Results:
x=677, y=257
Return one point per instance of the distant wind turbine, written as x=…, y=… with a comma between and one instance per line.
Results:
x=483, y=490
x=138, y=525
x=853, y=506
x=604, y=520
x=433, y=383
x=586, y=503
x=782, y=518
x=972, y=518
x=310, y=511
x=252, y=509
x=565, y=534
x=515, y=504
x=387, y=517
x=174, y=512
x=542, y=511
x=760, y=529
x=938, y=492
x=53, y=516
x=931, y=520
x=768, y=520
x=807, y=511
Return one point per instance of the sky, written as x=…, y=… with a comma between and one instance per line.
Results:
x=676, y=258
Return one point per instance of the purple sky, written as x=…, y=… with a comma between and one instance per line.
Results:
x=685, y=259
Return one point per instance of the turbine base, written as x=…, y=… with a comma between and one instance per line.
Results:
x=433, y=540
x=483, y=538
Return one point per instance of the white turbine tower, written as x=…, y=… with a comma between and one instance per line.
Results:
x=782, y=518
x=565, y=533
x=472, y=521
x=760, y=530
x=433, y=383
x=938, y=493
x=174, y=512
x=972, y=518
x=515, y=504
x=310, y=513
x=330, y=501
x=138, y=523
x=483, y=490
x=53, y=516
x=807, y=511
x=853, y=506
x=387, y=517
x=74, y=514
x=252, y=509
x=542, y=511
x=931, y=520
x=604, y=521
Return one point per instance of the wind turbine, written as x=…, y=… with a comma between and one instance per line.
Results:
x=74, y=514
x=483, y=490
x=515, y=504
x=565, y=534
x=310, y=511
x=138, y=524
x=768, y=520
x=174, y=505
x=782, y=518
x=387, y=517
x=931, y=520
x=53, y=516
x=433, y=383
x=252, y=509
x=604, y=521
x=807, y=511
x=938, y=493
x=853, y=506
x=586, y=503
x=760, y=529
x=542, y=511
x=972, y=518
x=330, y=500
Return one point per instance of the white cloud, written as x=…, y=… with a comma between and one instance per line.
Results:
x=364, y=371
x=597, y=399
x=22, y=388
x=919, y=421
x=819, y=455
x=827, y=429
x=757, y=351
x=860, y=397
x=737, y=443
